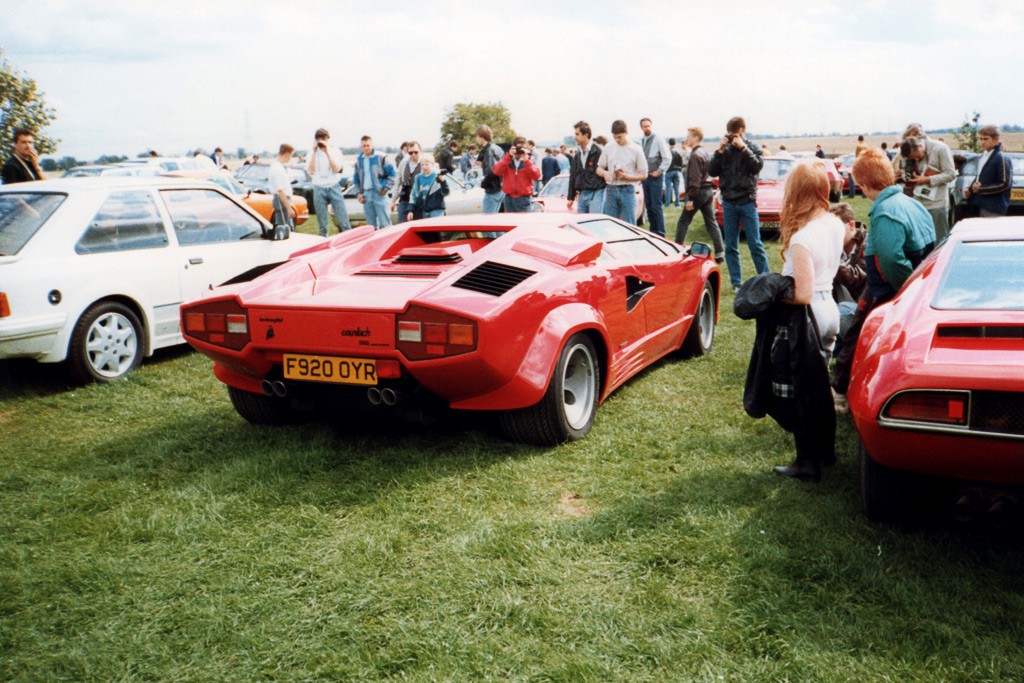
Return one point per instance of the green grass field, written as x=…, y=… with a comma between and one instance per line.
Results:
x=148, y=533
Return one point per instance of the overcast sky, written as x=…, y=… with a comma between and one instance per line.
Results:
x=125, y=77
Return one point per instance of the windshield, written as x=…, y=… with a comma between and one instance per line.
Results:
x=556, y=187
x=775, y=169
x=21, y=216
x=983, y=276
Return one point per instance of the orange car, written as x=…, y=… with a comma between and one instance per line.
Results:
x=259, y=202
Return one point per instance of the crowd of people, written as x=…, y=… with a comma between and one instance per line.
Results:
x=835, y=271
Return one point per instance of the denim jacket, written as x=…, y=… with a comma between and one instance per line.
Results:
x=382, y=173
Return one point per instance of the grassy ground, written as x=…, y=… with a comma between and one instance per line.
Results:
x=148, y=533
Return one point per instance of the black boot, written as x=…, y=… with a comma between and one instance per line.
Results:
x=804, y=470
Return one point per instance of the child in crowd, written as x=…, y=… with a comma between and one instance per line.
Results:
x=428, y=191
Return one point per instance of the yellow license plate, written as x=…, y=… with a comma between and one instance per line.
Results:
x=330, y=369
x=1017, y=195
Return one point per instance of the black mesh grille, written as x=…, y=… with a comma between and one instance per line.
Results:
x=998, y=412
x=983, y=331
x=428, y=258
x=492, y=278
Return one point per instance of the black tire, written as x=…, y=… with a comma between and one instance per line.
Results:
x=701, y=335
x=887, y=495
x=107, y=343
x=259, y=409
x=567, y=410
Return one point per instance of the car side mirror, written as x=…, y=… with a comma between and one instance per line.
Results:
x=277, y=233
x=700, y=250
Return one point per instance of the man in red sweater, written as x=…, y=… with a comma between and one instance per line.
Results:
x=517, y=173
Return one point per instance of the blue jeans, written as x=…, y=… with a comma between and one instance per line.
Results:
x=853, y=187
x=403, y=211
x=492, y=201
x=672, y=179
x=321, y=196
x=376, y=209
x=732, y=215
x=590, y=201
x=652, y=202
x=620, y=202
x=518, y=204
x=281, y=215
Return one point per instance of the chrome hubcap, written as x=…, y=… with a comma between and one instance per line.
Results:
x=578, y=387
x=111, y=345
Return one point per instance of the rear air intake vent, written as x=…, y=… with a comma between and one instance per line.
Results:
x=492, y=278
x=982, y=331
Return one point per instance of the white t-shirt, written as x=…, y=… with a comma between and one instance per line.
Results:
x=278, y=179
x=629, y=157
x=823, y=237
x=324, y=177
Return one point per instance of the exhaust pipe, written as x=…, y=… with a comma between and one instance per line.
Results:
x=268, y=387
x=1000, y=514
x=280, y=389
x=389, y=396
x=373, y=395
x=967, y=507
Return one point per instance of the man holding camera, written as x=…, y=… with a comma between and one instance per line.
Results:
x=325, y=166
x=518, y=173
x=736, y=163
x=928, y=172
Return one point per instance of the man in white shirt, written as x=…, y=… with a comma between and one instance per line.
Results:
x=280, y=186
x=325, y=165
x=623, y=164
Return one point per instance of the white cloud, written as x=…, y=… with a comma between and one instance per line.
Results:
x=130, y=76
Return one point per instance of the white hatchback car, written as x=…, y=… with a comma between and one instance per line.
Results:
x=93, y=270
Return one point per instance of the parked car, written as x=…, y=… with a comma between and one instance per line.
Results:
x=555, y=197
x=256, y=177
x=845, y=165
x=92, y=270
x=261, y=203
x=110, y=170
x=461, y=199
x=770, y=188
x=969, y=173
x=168, y=164
x=937, y=388
x=537, y=317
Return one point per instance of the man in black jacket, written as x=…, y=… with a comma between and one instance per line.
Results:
x=700, y=194
x=23, y=165
x=736, y=163
x=584, y=182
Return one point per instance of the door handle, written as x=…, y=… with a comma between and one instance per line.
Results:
x=195, y=260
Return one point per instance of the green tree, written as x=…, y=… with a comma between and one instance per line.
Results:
x=23, y=106
x=462, y=120
x=967, y=136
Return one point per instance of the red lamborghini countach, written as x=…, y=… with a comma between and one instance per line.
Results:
x=538, y=317
x=938, y=380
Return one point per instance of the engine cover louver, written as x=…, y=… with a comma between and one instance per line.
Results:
x=492, y=278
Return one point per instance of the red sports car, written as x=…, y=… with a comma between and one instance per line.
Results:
x=938, y=378
x=770, y=187
x=536, y=316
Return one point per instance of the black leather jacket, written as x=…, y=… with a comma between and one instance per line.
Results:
x=787, y=377
x=737, y=172
x=583, y=172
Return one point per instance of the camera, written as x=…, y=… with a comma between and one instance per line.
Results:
x=729, y=137
x=520, y=149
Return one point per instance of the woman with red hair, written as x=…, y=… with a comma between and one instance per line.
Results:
x=812, y=246
x=812, y=249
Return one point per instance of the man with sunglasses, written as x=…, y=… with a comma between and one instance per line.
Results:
x=408, y=169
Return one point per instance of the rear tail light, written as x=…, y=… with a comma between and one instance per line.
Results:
x=428, y=333
x=5, y=306
x=223, y=323
x=937, y=407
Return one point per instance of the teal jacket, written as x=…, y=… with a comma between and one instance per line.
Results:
x=901, y=235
